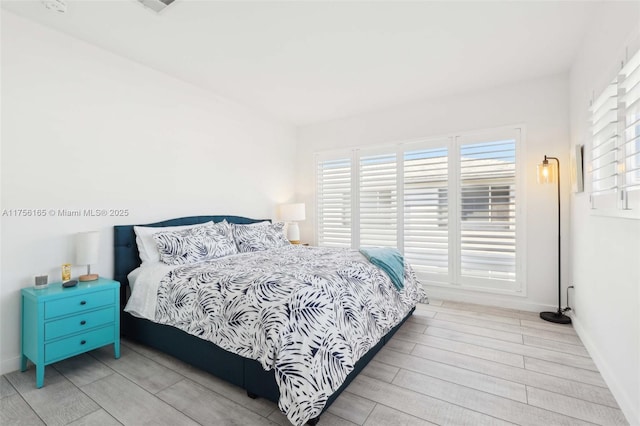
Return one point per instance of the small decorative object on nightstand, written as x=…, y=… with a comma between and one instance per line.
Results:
x=58, y=323
x=87, y=245
x=41, y=281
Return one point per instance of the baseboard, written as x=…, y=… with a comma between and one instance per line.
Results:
x=629, y=408
x=9, y=365
x=490, y=299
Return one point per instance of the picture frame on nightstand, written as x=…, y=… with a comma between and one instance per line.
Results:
x=41, y=281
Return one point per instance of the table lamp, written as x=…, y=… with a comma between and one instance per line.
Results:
x=87, y=245
x=291, y=213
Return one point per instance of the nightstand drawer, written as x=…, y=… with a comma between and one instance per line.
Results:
x=80, y=322
x=75, y=304
x=78, y=344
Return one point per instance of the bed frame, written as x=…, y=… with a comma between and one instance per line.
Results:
x=243, y=372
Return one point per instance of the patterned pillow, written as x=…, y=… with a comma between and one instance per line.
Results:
x=258, y=237
x=195, y=244
x=147, y=248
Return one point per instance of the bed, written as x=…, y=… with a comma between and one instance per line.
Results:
x=223, y=359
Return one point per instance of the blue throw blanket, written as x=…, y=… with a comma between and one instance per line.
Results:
x=389, y=260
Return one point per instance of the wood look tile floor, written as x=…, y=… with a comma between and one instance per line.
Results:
x=450, y=364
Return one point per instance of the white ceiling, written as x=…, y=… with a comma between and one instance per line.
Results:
x=304, y=62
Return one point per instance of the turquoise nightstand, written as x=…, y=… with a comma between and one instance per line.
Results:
x=59, y=323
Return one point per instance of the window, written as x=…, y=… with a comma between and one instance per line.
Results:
x=630, y=129
x=448, y=204
x=426, y=210
x=604, y=147
x=378, y=199
x=488, y=209
x=334, y=202
x=615, y=145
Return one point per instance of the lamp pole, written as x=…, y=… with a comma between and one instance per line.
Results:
x=557, y=317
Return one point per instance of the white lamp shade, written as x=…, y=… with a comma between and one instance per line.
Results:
x=292, y=212
x=87, y=245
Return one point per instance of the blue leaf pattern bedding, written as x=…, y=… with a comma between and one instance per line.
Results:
x=310, y=313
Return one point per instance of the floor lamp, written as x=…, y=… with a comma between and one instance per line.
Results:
x=547, y=174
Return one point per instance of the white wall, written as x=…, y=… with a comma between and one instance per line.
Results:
x=82, y=128
x=605, y=250
x=541, y=105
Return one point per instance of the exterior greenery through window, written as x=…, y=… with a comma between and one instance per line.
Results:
x=450, y=205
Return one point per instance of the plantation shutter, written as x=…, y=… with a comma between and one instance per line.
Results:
x=426, y=210
x=448, y=204
x=604, y=156
x=378, y=200
x=630, y=142
x=487, y=211
x=334, y=202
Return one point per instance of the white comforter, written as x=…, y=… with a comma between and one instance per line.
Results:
x=309, y=313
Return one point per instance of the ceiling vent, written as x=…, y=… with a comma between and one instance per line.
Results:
x=156, y=5
x=56, y=5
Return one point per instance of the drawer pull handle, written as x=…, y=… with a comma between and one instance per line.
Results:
x=82, y=342
x=83, y=322
x=84, y=302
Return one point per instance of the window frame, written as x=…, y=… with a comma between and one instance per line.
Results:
x=452, y=142
x=328, y=157
x=477, y=283
x=620, y=201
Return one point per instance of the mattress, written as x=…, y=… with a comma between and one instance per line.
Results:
x=309, y=313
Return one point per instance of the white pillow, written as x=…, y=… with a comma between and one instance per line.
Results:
x=147, y=246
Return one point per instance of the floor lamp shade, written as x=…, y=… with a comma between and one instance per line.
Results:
x=87, y=246
x=547, y=173
x=292, y=213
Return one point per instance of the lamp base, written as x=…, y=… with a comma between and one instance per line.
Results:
x=557, y=317
x=293, y=232
x=294, y=241
x=88, y=277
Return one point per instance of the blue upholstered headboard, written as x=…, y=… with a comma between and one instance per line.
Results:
x=126, y=257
